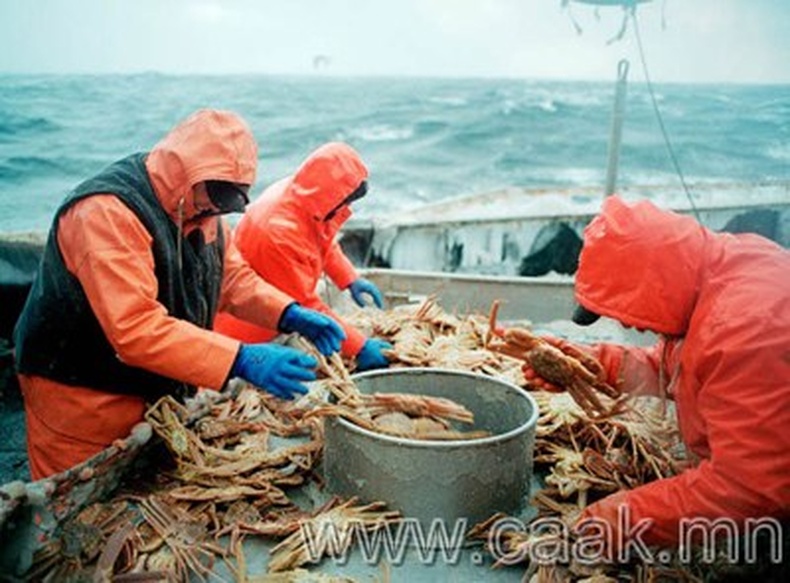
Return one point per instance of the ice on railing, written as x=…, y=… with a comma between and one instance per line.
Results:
x=492, y=233
x=512, y=203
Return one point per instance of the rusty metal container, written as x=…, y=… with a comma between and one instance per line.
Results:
x=451, y=481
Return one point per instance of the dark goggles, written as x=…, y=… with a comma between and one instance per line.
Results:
x=358, y=193
x=228, y=197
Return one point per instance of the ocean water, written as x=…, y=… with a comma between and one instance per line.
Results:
x=424, y=140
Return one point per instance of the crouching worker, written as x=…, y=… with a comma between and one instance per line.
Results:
x=136, y=264
x=721, y=306
x=288, y=236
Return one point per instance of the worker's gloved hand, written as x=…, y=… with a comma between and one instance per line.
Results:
x=371, y=355
x=363, y=286
x=320, y=329
x=277, y=369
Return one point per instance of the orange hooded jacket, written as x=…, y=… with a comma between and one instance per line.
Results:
x=284, y=237
x=722, y=305
x=107, y=248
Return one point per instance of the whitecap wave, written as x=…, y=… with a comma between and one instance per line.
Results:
x=382, y=133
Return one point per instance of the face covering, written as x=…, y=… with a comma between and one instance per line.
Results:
x=360, y=191
x=227, y=197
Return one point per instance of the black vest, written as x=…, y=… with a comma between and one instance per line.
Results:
x=58, y=336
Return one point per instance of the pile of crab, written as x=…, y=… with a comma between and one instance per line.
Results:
x=235, y=465
x=228, y=472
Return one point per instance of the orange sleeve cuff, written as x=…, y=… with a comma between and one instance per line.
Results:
x=354, y=340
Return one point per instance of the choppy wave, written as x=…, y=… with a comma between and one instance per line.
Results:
x=424, y=140
x=12, y=125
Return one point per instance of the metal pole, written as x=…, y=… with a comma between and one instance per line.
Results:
x=617, y=127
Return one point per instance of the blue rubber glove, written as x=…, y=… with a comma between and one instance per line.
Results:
x=363, y=286
x=321, y=330
x=277, y=369
x=370, y=356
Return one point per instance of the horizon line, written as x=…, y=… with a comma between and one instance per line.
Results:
x=404, y=76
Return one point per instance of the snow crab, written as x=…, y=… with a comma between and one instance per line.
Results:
x=405, y=415
x=578, y=373
x=330, y=530
x=511, y=545
x=81, y=541
x=185, y=537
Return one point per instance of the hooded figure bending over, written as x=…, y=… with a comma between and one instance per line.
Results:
x=295, y=223
x=721, y=306
x=135, y=267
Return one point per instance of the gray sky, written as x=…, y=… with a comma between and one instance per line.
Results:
x=702, y=40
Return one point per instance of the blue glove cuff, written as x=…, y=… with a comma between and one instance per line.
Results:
x=235, y=370
x=288, y=318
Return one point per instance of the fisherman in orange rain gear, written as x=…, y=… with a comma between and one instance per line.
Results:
x=721, y=305
x=294, y=223
x=136, y=264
